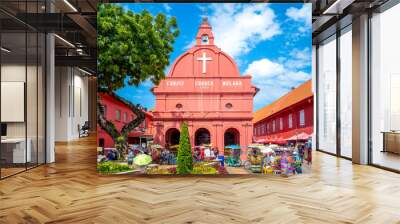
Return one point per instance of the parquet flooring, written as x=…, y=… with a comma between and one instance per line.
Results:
x=70, y=191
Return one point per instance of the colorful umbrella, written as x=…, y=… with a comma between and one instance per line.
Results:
x=255, y=146
x=156, y=146
x=266, y=150
x=142, y=160
x=300, y=136
x=232, y=147
x=261, y=140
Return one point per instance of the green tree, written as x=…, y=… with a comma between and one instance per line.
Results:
x=132, y=48
x=184, y=160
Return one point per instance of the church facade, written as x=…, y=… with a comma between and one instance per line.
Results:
x=205, y=89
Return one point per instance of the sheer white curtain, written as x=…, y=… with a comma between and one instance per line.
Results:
x=327, y=95
x=346, y=92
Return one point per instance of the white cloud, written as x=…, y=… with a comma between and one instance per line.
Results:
x=238, y=28
x=167, y=7
x=302, y=15
x=276, y=78
x=264, y=68
x=189, y=45
x=267, y=94
x=299, y=59
x=147, y=83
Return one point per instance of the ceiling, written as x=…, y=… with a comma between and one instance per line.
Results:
x=74, y=21
x=330, y=15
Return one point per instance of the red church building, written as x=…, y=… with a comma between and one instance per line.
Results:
x=288, y=118
x=205, y=89
x=117, y=111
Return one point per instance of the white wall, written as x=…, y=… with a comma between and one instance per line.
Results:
x=12, y=73
x=61, y=103
x=71, y=102
x=33, y=127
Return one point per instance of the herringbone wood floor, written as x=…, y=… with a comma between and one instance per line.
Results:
x=70, y=191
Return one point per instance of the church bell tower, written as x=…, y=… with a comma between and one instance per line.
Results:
x=205, y=35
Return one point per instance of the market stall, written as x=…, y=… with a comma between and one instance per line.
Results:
x=275, y=159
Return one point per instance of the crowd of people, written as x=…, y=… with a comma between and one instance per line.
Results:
x=201, y=153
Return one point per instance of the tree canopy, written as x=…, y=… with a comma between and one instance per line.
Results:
x=132, y=47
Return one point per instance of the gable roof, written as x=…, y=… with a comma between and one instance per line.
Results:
x=298, y=94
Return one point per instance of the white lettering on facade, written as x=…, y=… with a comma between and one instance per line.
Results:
x=232, y=83
x=175, y=83
x=204, y=83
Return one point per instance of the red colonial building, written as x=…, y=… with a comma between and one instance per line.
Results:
x=288, y=118
x=116, y=110
x=205, y=89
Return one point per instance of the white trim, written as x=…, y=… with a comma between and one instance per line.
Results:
x=70, y=5
x=64, y=40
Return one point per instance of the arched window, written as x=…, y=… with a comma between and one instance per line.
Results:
x=202, y=136
x=172, y=136
x=231, y=137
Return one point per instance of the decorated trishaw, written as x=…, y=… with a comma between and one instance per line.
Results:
x=254, y=159
x=232, y=155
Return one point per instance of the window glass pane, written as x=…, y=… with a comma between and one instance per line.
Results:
x=273, y=126
x=22, y=76
x=41, y=98
x=105, y=111
x=118, y=115
x=31, y=97
x=346, y=93
x=302, y=118
x=13, y=86
x=385, y=84
x=327, y=95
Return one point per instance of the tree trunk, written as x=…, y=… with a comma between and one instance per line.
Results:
x=120, y=137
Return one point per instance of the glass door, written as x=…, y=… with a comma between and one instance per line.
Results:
x=385, y=89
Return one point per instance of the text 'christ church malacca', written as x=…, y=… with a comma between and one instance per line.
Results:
x=205, y=89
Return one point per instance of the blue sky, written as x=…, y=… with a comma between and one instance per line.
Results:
x=271, y=42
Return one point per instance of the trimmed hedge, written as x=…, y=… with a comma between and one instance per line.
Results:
x=112, y=167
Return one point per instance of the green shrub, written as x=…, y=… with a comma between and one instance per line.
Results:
x=184, y=160
x=112, y=167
